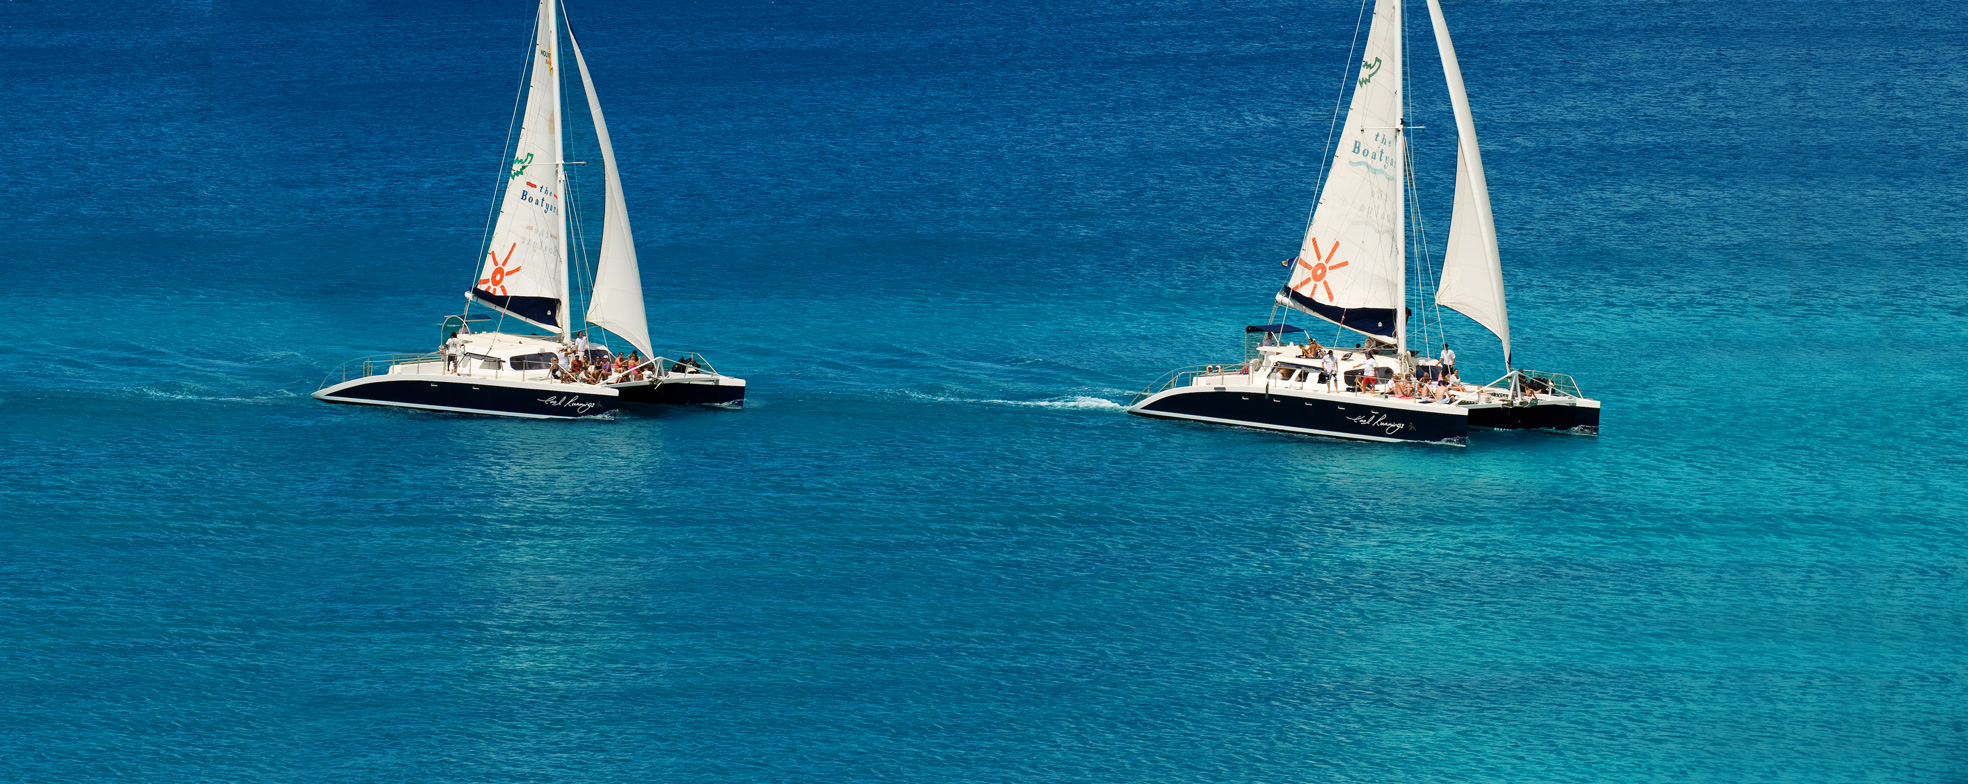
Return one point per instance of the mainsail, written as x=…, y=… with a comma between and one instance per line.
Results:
x=1472, y=269
x=1350, y=268
x=616, y=302
x=525, y=269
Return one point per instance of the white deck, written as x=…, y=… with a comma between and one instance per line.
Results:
x=1282, y=369
x=489, y=355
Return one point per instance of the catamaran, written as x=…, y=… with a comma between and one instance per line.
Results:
x=525, y=278
x=1352, y=272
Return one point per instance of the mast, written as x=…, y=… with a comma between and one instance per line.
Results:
x=1401, y=204
x=560, y=171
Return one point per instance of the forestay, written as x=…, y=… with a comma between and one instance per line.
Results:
x=1350, y=267
x=524, y=273
x=616, y=303
x=1472, y=269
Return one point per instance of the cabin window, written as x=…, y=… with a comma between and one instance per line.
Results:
x=540, y=361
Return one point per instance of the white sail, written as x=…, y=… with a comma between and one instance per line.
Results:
x=1350, y=268
x=1472, y=269
x=525, y=269
x=616, y=303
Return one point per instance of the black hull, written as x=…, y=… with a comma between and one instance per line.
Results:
x=1348, y=418
x=684, y=394
x=469, y=397
x=1583, y=420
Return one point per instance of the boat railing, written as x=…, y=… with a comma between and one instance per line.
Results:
x=374, y=365
x=1553, y=383
x=664, y=364
x=1182, y=377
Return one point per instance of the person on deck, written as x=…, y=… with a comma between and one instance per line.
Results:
x=1448, y=356
x=1331, y=366
x=452, y=345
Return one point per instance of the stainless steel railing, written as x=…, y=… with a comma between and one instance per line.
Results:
x=1181, y=377
x=665, y=365
x=1539, y=381
x=373, y=365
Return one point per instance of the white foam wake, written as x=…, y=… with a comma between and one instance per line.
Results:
x=1081, y=402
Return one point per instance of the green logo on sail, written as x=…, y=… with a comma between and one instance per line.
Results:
x=519, y=166
x=1368, y=71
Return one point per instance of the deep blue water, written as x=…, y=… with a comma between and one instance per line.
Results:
x=943, y=241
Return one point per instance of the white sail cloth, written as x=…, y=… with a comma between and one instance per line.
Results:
x=525, y=272
x=1350, y=268
x=616, y=302
x=1472, y=268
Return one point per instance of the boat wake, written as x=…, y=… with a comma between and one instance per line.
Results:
x=1075, y=402
x=1079, y=402
x=155, y=393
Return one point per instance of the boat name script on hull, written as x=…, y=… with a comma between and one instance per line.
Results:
x=1379, y=421
x=568, y=401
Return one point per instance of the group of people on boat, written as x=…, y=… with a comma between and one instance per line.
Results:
x=576, y=362
x=1427, y=383
x=572, y=366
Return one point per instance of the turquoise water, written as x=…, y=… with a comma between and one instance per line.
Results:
x=943, y=243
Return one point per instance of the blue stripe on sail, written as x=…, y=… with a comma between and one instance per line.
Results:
x=544, y=311
x=1370, y=167
x=1373, y=321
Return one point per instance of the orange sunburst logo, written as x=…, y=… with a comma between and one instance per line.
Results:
x=497, y=283
x=1318, y=271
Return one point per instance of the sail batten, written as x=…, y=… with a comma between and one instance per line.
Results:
x=1472, y=267
x=615, y=304
x=524, y=273
x=1349, y=269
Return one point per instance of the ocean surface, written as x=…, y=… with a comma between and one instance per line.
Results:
x=944, y=243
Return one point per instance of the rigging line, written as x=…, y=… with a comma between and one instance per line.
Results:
x=577, y=266
x=1434, y=281
x=1428, y=259
x=1325, y=158
x=584, y=274
x=1418, y=239
x=505, y=158
x=1414, y=225
x=1424, y=261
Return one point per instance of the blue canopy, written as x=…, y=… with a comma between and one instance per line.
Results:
x=1273, y=328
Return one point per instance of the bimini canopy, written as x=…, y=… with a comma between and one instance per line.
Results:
x=1275, y=329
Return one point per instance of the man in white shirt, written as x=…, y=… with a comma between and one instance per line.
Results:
x=1448, y=357
x=1331, y=365
x=581, y=343
x=451, y=347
